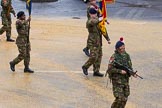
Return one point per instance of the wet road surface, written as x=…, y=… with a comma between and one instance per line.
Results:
x=57, y=57
x=130, y=9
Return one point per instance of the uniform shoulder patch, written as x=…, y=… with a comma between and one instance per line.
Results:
x=111, y=59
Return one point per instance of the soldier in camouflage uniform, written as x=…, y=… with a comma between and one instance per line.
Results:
x=120, y=78
x=6, y=18
x=91, y=4
x=22, y=27
x=95, y=44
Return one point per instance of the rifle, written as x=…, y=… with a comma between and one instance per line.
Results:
x=125, y=68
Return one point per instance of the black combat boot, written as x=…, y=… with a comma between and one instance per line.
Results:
x=12, y=66
x=85, y=71
x=28, y=70
x=98, y=74
x=10, y=40
x=85, y=50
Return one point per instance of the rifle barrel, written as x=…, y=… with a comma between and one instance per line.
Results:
x=139, y=76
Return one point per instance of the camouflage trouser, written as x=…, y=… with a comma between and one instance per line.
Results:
x=121, y=93
x=24, y=54
x=87, y=45
x=6, y=22
x=94, y=59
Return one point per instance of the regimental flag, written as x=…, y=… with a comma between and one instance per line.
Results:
x=110, y=1
x=29, y=6
x=102, y=6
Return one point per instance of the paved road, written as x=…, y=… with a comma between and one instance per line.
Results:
x=130, y=9
x=57, y=57
x=136, y=9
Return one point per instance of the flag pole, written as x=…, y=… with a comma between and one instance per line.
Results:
x=29, y=7
x=28, y=32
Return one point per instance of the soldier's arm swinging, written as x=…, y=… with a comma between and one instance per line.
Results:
x=12, y=11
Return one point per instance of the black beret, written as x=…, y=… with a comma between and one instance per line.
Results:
x=92, y=11
x=19, y=14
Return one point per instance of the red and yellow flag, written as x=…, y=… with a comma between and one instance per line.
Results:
x=102, y=6
x=103, y=11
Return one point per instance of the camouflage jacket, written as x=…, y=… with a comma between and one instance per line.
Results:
x=95, y=36
x=7, y=7
x=114, y=73
x=22, y=27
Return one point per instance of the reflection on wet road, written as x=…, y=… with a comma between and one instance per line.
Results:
x=132, y=9
x=57, y=57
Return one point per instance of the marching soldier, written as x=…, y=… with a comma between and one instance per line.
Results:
x=120, y=78
x=6, y=18
x=22, y=27
x=95, y=44
x=91, y=4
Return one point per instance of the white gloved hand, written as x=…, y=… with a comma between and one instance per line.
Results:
x=100, y=18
